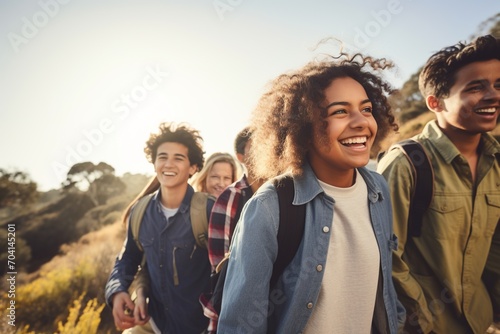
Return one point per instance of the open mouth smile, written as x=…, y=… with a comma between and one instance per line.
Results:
x=486, y=111
x=354, y=141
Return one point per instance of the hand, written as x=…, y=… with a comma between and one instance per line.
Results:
x=141, y=315
x=494, y=328
x=123, y=309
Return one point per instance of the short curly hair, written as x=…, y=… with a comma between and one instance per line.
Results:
x=241, y=140
x=178, y=133
x=287, y=113
x=438, y=74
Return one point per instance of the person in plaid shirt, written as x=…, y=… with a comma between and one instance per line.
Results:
x=225, y=214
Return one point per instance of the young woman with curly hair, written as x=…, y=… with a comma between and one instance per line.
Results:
x=318, y=125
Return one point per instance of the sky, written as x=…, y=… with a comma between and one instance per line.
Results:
x=88, y=80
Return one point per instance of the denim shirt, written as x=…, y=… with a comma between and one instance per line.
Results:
x=247, y=302
x=179, y=270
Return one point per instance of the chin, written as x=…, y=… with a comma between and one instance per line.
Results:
x=361, y=163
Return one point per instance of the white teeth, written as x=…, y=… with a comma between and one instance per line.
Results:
x=355, y=140
x=169, y=173
x=491, y=110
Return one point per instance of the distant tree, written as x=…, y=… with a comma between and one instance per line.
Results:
x=83, y=174
x=408, y=103
x=106, y=187
x=489, y=26
x=98, y=181
x=16, y=189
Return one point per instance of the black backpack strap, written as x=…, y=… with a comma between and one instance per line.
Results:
x=424, y=184
x=291, y=226
x=290, y=232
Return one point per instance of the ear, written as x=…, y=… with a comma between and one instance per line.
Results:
x=240, y=157
x=434, y=104
x=192, y=169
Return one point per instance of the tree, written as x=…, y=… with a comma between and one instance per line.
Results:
x=489, y=26
x=98, y=181
x=16, y=189
x=83, y=174
x=408, y=103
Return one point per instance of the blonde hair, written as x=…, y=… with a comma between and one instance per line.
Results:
x=198, y=181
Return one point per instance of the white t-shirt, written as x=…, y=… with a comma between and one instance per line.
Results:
x=347, y=296
x=168, y=212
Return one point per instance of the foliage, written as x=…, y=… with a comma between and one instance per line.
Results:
x=408, y=103
x=86, y=322
x=489, y=26
x=98, y=181
x=22, y=251
x=45, y=301
x=102, y=215
x=16, y=189
x=47, y=229
x=83, y=174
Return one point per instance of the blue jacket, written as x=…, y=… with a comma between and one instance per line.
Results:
x=170, y=250
x=246, y=300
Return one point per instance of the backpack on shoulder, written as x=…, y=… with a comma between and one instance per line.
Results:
x=197, y=212
x=199, y=224
x=290, y=232
x=423, y=175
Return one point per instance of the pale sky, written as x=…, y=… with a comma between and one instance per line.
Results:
x=88, y=80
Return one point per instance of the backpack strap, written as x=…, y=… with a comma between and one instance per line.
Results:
x=291, y=226
x=290, y=232
x=423, y=191
x=197, y=213
x=199, y=219
x=136, y=217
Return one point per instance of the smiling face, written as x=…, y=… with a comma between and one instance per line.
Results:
x=218, y=178
x=172, y=165
x=473, y=104
x=350, y=133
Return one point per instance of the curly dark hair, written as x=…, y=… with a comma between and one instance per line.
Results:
x=286, y=114
x=438, y=74
x=241, y=140
x=177, y=133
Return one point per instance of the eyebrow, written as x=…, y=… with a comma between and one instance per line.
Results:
x=175, y=154
x=480, y=81
x=344, y=103
x=475, y=82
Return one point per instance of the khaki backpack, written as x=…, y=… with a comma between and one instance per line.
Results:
x=197, y=213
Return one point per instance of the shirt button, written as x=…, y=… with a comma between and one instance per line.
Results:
x=309, y=305
x=326, y=229
x=319, y=267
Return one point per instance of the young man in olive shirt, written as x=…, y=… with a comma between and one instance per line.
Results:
x=448, y=278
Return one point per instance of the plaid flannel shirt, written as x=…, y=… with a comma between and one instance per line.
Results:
x=225, y=214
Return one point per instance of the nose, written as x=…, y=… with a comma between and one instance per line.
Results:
x=492, y=93
x=358, y=120
x=168, y=162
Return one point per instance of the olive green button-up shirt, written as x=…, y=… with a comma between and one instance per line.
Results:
x=448, y=279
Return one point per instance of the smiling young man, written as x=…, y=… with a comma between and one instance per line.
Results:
x=178, y=270
x=448, y=277
x=317, y=125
